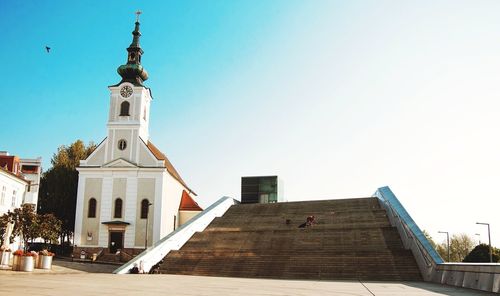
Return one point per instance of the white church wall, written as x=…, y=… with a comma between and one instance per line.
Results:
x=97, y=156
x=130, y=212
x=145, y=157
x=119, y=191
x=79, y=209
x=172, y=194
x=93, y=189
x=119, y=135
x=145, y=190
x=105, y=209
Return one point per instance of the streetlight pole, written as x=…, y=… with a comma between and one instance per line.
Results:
x=489, y=239
x=147, y=219
x=447, y=242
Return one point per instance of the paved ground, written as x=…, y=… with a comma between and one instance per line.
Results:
x=71, y=278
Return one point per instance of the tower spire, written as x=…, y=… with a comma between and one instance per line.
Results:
x=133, y=71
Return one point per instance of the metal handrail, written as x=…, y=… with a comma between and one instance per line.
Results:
x=388, y=198
x=409, y=233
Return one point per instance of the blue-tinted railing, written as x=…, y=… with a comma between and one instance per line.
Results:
x=388, y=198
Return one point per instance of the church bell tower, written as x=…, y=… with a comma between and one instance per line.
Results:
x=128, y=121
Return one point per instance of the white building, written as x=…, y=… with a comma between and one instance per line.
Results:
x=126, y=177
x=31, y=170
x=19, y=179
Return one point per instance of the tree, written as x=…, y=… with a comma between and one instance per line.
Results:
x=59, y=185
x=460, y=245
x=49, y=227
x=481, y=253
x=440, y=249
x=26, y=223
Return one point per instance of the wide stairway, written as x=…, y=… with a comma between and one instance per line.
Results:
x=352, y=239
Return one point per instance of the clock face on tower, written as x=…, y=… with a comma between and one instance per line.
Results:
x=126, y=91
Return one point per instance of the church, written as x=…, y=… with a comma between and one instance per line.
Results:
x=129, y=193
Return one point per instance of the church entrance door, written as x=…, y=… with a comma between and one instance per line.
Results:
x=115, y=241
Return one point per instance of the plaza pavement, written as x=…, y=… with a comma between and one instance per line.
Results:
x=74, y=279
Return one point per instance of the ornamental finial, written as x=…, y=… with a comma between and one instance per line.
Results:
x=138, y=13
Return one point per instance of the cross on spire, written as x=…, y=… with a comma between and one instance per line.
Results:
x=138, y=13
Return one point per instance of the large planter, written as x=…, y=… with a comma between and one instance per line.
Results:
x=16, y=262
x=5, y=258
x=28, y=263
x=46, y=262
x=38, y=261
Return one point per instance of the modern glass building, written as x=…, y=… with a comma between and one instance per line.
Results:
x=261, y=189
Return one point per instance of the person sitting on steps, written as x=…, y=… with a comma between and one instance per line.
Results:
x=310, y=220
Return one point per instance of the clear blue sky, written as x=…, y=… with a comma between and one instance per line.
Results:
x=336, y=97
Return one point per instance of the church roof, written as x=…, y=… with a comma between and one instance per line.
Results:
x=188, y=204
x=168, y=165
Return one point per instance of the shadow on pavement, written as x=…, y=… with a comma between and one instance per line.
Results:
x=84, y=266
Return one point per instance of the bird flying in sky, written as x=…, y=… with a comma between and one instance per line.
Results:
x=47, y=48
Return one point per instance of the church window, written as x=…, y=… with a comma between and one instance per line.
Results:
x=124, y=108
x=122, y=144
x=92, y=208
x=118, y=208
x=144, y=116
x=145, y=208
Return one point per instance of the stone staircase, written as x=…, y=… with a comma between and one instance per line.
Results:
x=352, y=239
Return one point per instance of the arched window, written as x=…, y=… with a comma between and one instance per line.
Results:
x=124, y=108
x=92, y=208
x=132, y=56
x=144, y=208
x=118, y=208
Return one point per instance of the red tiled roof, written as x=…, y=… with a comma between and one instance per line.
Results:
x=188, y=204
x=168, y=165
x=14, y=175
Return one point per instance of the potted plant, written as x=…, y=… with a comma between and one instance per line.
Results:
x=16, y=262
x=28, y=261
x=46, y=259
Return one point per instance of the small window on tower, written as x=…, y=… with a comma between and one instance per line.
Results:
x=122, y=144
x=124, y=109
x=144, y=116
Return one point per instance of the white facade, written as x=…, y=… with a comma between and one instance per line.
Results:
x=126, y=175
x=32, y=170
x=13, y=190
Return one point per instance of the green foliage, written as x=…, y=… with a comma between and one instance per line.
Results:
x=26, y=221
x=460, y=245
x=30, y=225
x=481, y=253
x=49, y=227
x=58, y=185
